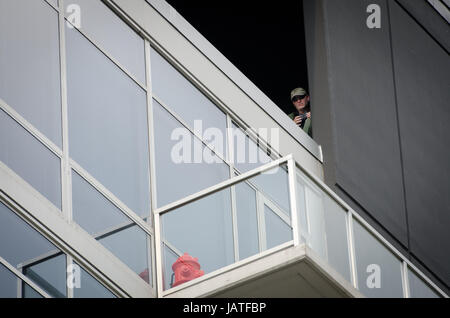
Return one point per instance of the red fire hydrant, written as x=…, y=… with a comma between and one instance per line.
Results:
x=186, y=268
x=145, y=275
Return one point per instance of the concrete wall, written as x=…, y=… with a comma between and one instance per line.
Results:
x=381, y=108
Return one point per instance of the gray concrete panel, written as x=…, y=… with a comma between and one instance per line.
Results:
x=422, y=70
x=363, y=108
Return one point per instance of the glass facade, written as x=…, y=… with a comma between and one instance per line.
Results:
x=30, y=159
x=107, y=123
x=111, y=34
x=29, y=253
x=13, y=287
x=30, y=67
x=115, y=137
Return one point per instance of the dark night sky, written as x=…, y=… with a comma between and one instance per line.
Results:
x=265, y=42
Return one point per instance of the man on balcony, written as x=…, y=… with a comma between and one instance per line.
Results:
x=302, y=114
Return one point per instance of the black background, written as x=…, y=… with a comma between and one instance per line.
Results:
x=264, y=41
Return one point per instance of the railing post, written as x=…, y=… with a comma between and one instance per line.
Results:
x=293, y=200
x=158, y=256
x=405, y=280
x=351, y=247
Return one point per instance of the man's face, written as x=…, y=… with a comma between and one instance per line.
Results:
x=300, y=102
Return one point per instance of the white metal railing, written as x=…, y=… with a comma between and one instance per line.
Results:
x=312, y=205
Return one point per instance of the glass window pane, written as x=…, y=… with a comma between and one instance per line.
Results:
x=247, y=220
x=185, y=99
x=8, y=283
x=177, y=174
x=10, y=286
x=29, y=292
x=129, y=245
x=107, y=123
x=274, y=185
x=418, y=288
x=30, y=159
x=91, y=210
x=316, y=237
x=379, y=271
x=105, y=222
x=49, y=273
x=53, y=2
x=170, y=257
x=248, y=156
x=277, y=231
x=323, y=225
x=301, y=209
x=29, y=64
x=336, y=237
x=20, y=245
x=90, y=287
x=112, y=35
x=203, y=229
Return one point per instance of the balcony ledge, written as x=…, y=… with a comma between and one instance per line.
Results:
x=284, y=272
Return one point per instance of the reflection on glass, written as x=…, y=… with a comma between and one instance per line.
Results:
x=316, y=237
x=50, y=273
x=323, y=225
x=90, y=287
x=103, y=220
x=108, y=130
x=8, y=283
x=91, y=210
x=13, y=287
x=247, y=220
x=379, y=271
x=177, y=173
x=29, y=64
x=170, y=257
x=28, y=292
x=30, y=159
x=301, y=210
x=130, y=245
x=248, y=156
x=26, y=249
x=112, y=34
x=336, y=233
x=203, y=229
x=277, y=231
x=186, y=100
x=418, y=288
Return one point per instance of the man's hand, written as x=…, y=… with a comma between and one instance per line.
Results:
x=298, y=120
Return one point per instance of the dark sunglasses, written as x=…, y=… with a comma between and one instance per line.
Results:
x=298, y=97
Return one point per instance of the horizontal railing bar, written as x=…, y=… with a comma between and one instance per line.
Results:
x=221, y=186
